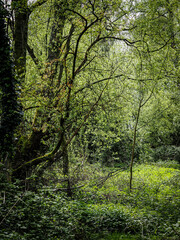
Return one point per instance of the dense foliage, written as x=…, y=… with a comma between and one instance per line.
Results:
x=89, y=119
x=100, y=208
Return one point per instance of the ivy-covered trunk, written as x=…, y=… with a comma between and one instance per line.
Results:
x=9, y=108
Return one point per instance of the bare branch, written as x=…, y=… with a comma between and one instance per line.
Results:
x=86, y=55
x=98, y=81
x=98, y=39
x=32, y=55
x=81, y=16
x=77, y=46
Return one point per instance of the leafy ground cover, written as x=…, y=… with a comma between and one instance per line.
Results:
x=103, y=208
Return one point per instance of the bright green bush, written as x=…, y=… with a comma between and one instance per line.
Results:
x=153, y=204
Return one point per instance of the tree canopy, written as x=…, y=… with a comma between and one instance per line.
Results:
x=92, y=76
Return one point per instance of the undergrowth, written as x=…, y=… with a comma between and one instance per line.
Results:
x=102, y=207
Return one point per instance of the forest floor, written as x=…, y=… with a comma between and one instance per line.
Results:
x=101, y=207
x=149, y=211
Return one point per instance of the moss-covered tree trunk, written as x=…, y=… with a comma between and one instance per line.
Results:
x=21, y=13
x=30, y=147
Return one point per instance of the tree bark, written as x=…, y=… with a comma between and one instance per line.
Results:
x=21, y=13
x=134, y=143
x=9, y=108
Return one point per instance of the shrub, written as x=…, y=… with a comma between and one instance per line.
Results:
x=166, y=153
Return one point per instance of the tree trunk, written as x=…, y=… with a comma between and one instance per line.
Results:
x=134, y=143
x=9, y=108
x=20, y=36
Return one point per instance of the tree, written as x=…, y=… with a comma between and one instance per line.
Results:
x=10, y=108
x=159, y=27
x=64, y=68
x=70, y=65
